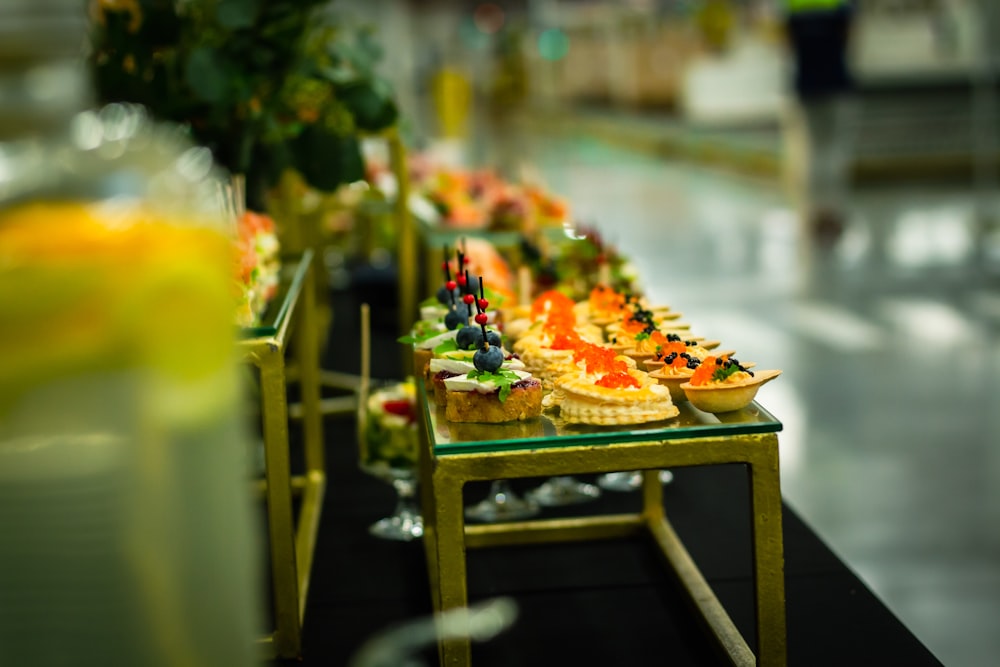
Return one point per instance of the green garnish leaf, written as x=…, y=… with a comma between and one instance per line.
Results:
x=448, y=346
x=422, y=330
x=503, y=379
x=724, y=371
x=642, y=335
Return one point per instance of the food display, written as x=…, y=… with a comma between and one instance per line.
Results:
x=258, y=266
x=722, y=384
x=490, y=392
x=389, y=441
x=609, y=358
x=481, y=199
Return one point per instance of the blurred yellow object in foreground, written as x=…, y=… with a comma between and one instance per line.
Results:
x=106, y=285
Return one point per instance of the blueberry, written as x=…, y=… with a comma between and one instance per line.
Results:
x=455, y=318
x=469, y=338
x=442, y=295
x=472, y=286
x=670, y=357
x=693, y=364
x=493, y=338
x=673, y=338
x=488, y=359
x=719, y=361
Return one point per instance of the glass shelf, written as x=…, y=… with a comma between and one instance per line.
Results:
x=549, y=431
x=293, y=273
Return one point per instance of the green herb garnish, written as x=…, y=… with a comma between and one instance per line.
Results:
x=642, y=335
x=431, y=301
x=724, y=371
x=448, y=346
x=422, y=330
x=502, y=379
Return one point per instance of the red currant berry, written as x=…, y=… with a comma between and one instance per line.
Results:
x=444, y=266
x=461, y=279
x=483, y=303
x=451, y=284
x=481, y=318
x=468, y=298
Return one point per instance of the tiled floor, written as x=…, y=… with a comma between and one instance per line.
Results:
x=890, y=345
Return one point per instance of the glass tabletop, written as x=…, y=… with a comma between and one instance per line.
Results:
x=549, y=431
x=293, y=274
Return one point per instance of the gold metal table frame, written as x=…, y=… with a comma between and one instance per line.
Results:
x=291, y=544
x=694, y=439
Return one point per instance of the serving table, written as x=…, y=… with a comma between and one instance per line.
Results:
x=454, y=454
x=291, y=543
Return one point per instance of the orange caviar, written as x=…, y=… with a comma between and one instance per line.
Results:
x=605, y=299
x=550, y=302
x=558, y=322
x=565, y=341
x=703, y=374
x=630, y=326
x=618, y=380
x=599, y=359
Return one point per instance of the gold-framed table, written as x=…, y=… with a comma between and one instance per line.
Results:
x=454, y=454
x=291, y=315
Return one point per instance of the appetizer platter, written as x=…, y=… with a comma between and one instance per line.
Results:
x=611, y=361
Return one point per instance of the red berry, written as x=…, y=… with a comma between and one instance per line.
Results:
x=451, y=284
x=483, y=303
x=461, y=279
x=481, y=318
x=468, y=298
x=444, y=266
x=400, y=407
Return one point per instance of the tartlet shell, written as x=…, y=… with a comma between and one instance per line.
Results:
x=717, y=398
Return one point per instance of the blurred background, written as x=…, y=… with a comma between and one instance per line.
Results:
x=856, y=248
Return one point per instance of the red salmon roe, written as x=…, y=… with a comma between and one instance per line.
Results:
x=703, y=374
x=550, y=301
x=599, y=359
x=605, y=299
x=565, y=342
x=617, y=380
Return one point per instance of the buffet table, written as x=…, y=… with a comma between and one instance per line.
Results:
x=455, y=454
x=291, y=542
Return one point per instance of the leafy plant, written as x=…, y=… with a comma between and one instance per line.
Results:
x=266, y=84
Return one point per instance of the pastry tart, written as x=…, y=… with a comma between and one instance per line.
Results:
x=723, y=385
x=619, y=398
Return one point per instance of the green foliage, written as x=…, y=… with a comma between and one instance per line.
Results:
x=266, y=84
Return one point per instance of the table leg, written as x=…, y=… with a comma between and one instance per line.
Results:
x=769, y=563
x=652, y=496
x=450, y=571
x=307, y=356
x=428, y=511
x=280, y=520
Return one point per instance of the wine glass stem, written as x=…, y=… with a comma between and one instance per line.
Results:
x=406, y=493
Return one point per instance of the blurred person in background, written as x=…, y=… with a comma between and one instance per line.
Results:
x=820, y=123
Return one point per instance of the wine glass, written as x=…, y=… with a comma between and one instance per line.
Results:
x=388, y=446
x=564, y=490
x=502, y=504
x=629, y=481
